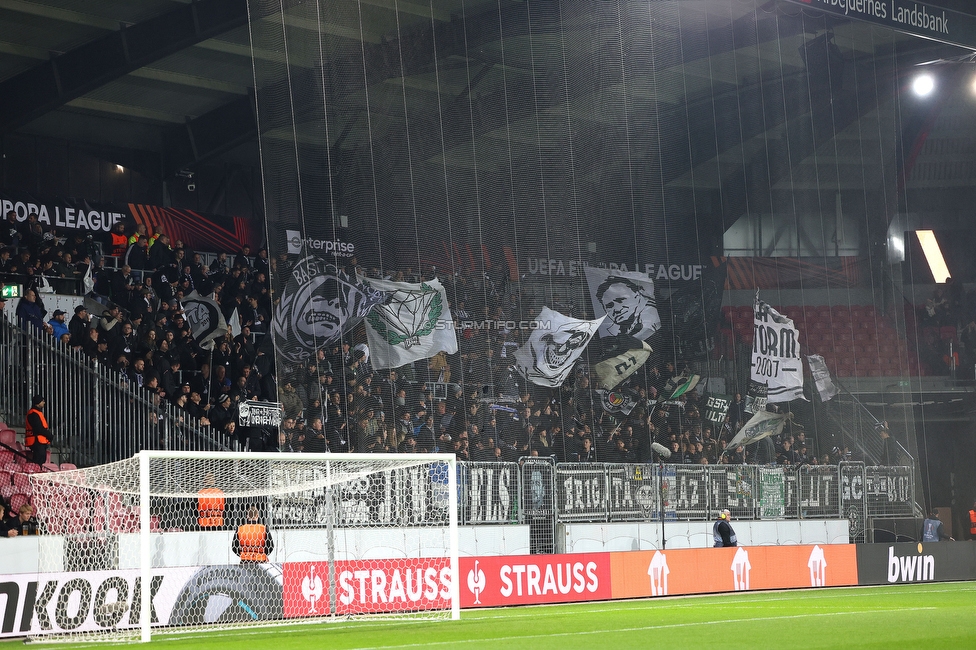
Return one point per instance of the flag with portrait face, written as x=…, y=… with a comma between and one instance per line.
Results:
x=627, y=300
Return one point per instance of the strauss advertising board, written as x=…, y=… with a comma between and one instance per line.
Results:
x=103, y=600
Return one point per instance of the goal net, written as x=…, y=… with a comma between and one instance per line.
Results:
x=227, y=540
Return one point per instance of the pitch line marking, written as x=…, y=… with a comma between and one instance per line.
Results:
x=636, y=629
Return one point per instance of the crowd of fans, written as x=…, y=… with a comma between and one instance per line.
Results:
x=335, y=401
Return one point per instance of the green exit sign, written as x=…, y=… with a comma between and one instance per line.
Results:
x=12, y=291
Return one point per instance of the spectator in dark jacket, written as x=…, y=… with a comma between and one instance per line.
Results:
x=30, y=312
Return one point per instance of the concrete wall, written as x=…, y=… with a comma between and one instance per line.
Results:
x=598, y=538
x=21, y=554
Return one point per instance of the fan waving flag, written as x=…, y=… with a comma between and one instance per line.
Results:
x=776, y=354
x=414, y=323
x=319, y=303
x=821, y=377
x=548, y=356
x=617, y=401
x=206, y=322
x=761, y=425
x=623, y=356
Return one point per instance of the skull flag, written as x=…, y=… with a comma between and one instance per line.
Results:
x=206, y=322
x=319, y=304
x=548, y=356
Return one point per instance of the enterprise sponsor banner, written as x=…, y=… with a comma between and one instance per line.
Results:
x=697, y=571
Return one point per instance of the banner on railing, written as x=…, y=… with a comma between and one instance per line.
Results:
x=581, y=491
x=733, y=488
x=691, y=492
x=489, y=492
x=818, y=492
x=634, y=492
x=772, y=493
x=889, y=491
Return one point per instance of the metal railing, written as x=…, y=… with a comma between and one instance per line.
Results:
x=95, y=413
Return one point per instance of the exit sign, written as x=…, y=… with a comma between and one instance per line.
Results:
x=12, y=291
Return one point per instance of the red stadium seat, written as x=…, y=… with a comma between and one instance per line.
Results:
x=32, y=468
x=8, y=437
x=7, y=490
x=51, y=467
x=23, y=484
x=68, y=466
x=17, y=500
x=10, y=467
x=6, y=457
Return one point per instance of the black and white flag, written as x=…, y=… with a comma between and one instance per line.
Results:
x=627, y=299
x=319, y=304
x=622, y=358
x=821, y=377
x=617, y=401
x=548, y=356
x=204, y=318
x=717, y=407
x=776, y=358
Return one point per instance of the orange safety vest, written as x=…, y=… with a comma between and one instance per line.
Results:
x=251, y=537
x=119, y=244
x=210, y=508
x=972, y=523
x=29, y=437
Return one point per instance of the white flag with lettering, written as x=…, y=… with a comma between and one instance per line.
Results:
x=776, y=358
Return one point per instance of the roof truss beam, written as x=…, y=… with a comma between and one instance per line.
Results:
x=72, y=74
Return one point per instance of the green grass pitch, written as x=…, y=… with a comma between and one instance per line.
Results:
x=941, y=615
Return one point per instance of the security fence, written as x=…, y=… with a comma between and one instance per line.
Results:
x=96, y=414
x=537, y=491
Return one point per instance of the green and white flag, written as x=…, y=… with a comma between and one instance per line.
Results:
x=761, y=425
x=414, y=323
x=679, y=385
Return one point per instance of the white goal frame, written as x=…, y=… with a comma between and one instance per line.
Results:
x=145, y=493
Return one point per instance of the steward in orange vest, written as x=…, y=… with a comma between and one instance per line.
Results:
x=252, y=541
x=972, y=522
x=37, y=434
x=119, y=241
x=210, y=505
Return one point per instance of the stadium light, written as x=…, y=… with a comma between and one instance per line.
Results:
x=972, y=85
x=933, y=255
x=119, y=168
x=923, y=85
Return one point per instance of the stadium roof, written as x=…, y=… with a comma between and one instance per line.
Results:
x=163, y=85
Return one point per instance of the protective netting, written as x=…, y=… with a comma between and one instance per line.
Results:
x=238, y=541
x=456, y=194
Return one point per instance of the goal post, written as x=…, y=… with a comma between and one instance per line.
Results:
x=168, y=541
